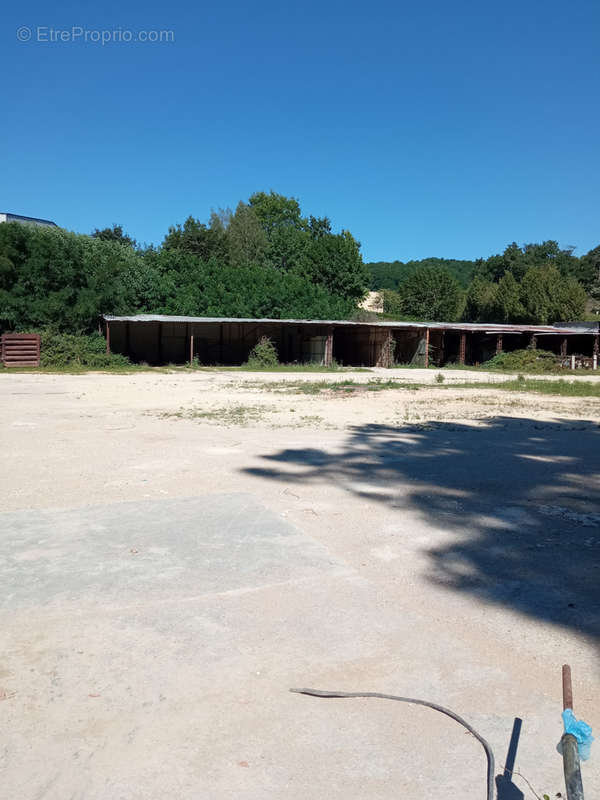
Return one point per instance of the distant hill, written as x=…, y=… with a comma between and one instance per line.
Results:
x=390, y=274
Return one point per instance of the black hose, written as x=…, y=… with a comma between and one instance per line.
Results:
x=488, y=750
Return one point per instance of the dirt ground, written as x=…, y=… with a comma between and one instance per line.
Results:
x=179, y=549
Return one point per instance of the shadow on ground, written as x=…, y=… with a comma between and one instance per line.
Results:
x=520, y=497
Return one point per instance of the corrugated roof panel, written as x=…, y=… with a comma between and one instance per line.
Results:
x=452, y=326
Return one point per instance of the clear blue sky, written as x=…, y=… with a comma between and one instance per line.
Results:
x=426, y=128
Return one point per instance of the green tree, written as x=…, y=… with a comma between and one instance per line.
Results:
x=276, y=211
x=519, y=259
x=53, y=278
x=114, y=234
x=196, y=238
x=590, y=272
x=392, y=303
x=432, y=293
x=571, y=301
x=506, y=305
x=549, y=297
x=335, y=262
x=247, y=241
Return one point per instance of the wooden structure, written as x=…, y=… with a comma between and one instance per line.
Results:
x=162, y=339
x=21, y=349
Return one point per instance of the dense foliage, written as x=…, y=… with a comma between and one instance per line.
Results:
x=392, y=274
x=536, y=283
x=430, y=293
x=531, y=360
x=263, y=260
x=266, y=259
x=71, y=350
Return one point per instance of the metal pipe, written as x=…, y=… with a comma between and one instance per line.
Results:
x=570, y=752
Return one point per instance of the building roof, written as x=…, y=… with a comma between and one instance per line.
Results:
x=479, y=327
x=21, y=218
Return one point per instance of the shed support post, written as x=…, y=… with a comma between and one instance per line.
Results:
x=533, y=341
x=221, y=343
x=108, y=338
x=329, y=348
x=596, y=350
x=191, y=349
x=127, y=340
x=462, y=348
x=498, y=343
x=426, y=347
x=160, y=343
x=563, y=347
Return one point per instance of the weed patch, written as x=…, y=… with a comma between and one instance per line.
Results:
x=227, y=416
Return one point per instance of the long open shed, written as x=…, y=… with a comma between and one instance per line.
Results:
x=163, y=339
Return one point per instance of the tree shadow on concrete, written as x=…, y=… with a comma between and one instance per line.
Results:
x=520, y=497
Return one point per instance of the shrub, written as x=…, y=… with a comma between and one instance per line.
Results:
x=263, y=354
x=439, y=378
x=525, y=361
x=66, y=350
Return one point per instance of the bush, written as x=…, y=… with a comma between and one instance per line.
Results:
x=66, y=350
x=263, y=354
x=525, y=361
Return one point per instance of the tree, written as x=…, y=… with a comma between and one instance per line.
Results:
x=392, y=274
x=506, y=304
x=276, y=211
x=548, y=297
x=247, y=241
x=571, y=301
x=518, y=259
x=480, y=299
x=196, y=238
x=319, y=226
x=392, y=303
x=590, y=272
x=432, y=293
x=50, y=277
x=114, y=234
x=335, y=262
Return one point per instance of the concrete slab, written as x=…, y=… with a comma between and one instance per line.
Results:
x=126, y=552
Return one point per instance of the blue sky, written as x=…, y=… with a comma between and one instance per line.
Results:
x=425, y=128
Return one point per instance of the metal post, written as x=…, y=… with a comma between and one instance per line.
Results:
x=426, y=347
x=462, y=350
x=573, y=362
x=108, y=338
x=498, y=343
x=191, y=350
x=570, y=753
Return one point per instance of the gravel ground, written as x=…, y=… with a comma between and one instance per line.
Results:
x=180, y=549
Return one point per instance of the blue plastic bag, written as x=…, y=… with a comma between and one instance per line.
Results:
x=581, y=731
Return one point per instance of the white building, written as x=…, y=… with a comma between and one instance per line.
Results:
x=7, y=217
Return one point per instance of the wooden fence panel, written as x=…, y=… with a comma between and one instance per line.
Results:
x=21, y=349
